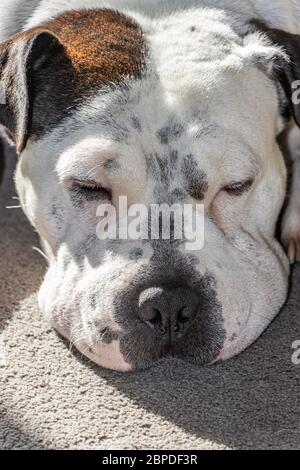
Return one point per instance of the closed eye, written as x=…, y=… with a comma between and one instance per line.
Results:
x=91, y=189
x=239, y=188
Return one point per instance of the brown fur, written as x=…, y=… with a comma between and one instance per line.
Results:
x=67, y=59
x=103, y=45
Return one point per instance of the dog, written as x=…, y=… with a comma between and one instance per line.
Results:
x=161, y=101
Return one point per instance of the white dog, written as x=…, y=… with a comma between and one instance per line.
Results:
x=161, y=101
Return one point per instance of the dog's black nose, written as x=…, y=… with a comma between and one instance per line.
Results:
x=168, y=311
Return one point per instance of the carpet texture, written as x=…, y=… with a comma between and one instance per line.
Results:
x=52, y=398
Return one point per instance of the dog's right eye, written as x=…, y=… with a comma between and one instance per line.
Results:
x=91, y=190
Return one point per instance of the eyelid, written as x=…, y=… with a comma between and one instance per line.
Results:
x=87, y=183
x=239, y=188
x=90, y=190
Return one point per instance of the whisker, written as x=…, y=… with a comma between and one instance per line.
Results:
x=38, y=250
x=94, y=168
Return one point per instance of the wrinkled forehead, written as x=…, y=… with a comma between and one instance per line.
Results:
x=135, y=98
x=137, y=128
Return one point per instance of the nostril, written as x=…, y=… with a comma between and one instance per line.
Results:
x=184, y=314
x=183, y=318
x=153, y=318
x=149, y=314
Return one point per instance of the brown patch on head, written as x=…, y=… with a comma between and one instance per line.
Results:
x=103, y=46
x=99, y=47
x=67, y=60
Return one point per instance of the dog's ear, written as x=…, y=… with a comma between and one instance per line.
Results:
x=285, y=67
x=20, y=58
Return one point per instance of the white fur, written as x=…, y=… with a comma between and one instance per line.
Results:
x=188, y=80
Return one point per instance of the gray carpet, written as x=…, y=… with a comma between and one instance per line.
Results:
x=51, y=398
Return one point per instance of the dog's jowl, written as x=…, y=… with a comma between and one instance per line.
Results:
x=174, y=104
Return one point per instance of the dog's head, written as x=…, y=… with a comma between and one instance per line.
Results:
x=180, y=111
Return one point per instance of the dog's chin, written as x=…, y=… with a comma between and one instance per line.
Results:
x=109, y=356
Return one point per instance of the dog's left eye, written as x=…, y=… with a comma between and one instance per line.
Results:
x=237, y=189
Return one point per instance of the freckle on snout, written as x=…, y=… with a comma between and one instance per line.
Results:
x=233, y=337
x=136, y=253
x=136, y=123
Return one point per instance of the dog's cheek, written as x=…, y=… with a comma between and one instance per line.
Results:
x=44, y=207
x=49, y=291
x=236, y=306
x=57, y=296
